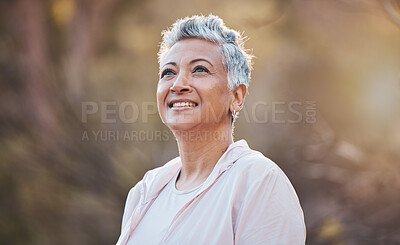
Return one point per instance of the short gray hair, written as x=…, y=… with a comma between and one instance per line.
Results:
x=236, y=59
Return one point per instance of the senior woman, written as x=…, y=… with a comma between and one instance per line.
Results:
x=217, y=191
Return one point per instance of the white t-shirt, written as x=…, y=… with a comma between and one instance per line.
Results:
x=158, y=218
x=246, y=199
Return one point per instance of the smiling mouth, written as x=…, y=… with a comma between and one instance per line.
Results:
x=183, y=105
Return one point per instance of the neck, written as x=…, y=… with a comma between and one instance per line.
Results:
x=199, y=152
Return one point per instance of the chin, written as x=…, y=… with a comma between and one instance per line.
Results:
x=181, y=121
x=181, y=126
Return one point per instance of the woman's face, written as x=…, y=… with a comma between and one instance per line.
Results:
x=192, y=92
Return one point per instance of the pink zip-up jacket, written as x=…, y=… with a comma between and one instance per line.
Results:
x=246, y=199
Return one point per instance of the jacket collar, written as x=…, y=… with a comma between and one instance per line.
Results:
x=155, y=180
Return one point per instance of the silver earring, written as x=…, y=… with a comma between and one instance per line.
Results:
x=235, y=114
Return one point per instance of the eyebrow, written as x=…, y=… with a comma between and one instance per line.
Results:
x=170, y=63
x=191, y=62
x=200, y=59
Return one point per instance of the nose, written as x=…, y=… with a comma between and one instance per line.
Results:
x=181, y=85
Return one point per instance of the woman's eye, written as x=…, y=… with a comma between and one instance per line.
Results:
x=166, y=73
x=200, y=69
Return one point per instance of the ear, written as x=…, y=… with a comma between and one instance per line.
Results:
x=239, y=94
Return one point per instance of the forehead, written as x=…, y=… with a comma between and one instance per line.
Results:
x=189, y=49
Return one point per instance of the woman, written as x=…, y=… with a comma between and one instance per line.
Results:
x=216, y=191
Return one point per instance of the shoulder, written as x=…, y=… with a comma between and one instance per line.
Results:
x=153, y=174
x=266, y=206
x=255, y=172
x=167, y=167
x=255, y=165
x=155, y=179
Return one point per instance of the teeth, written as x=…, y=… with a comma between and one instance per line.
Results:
x=183, y=104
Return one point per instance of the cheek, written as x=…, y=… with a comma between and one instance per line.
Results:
x=217, y=99
x=162, y=89
x=161, y=94
x=224, y=97
x=221, y=93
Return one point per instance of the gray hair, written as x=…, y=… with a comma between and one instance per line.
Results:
x=236, y=59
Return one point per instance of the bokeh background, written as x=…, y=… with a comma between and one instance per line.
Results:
x=323, y=104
